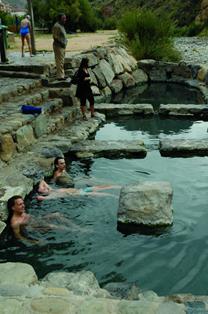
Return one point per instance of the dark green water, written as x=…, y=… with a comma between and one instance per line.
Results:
x=160, y=93
x=174, y=262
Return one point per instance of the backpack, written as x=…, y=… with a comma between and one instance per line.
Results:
x=75, y=78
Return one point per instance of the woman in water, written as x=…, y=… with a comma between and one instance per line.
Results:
x=48, y=193
x=25, y=29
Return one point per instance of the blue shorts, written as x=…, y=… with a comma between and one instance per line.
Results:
x=86, y=190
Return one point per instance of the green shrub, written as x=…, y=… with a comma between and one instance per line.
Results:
x=194, y=29
x=109, y=23
x=88, y=21
x=6, y=18
x=148, y=36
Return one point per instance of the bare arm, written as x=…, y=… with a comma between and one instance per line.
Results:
x=19, y=236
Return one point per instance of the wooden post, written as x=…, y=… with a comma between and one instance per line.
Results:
x=29, y=2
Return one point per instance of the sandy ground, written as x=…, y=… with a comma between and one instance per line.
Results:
x=77, y=42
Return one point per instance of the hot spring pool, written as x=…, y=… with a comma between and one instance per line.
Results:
x=174, y=262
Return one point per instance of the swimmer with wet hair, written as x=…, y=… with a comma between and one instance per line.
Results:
x=48, y=193
x=20, y=222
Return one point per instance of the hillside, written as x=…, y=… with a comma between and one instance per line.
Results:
x=15, y=3
x=183, y=12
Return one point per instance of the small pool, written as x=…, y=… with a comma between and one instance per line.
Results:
x=174, y=262
x=160, y=93
x=152, y=129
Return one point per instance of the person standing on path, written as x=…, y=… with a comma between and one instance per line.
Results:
x=25, y=29
x=84, y=91
x=59, y=45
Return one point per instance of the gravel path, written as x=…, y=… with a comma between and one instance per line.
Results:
x=194, y=50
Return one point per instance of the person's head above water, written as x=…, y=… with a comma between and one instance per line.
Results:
x=59, y=163
x=15, y=205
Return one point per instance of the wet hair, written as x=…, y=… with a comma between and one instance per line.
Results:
x=10, y=204
x=84, y=63
x=56, y=160
x=55, y=163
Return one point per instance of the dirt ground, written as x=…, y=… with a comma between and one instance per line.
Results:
x=76, y=42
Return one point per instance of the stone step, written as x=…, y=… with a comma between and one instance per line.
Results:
x=29, y=68
x=18, y=133
x=25, y=75
x=111, y=110
x=182, y=147
x=9, y=123
x=66, y=94
x=38, y=100
x=11, y=88
x=57, y=120
x=199, y=111
x=109, y=149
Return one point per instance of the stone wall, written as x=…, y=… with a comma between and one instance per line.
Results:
x=111, y=69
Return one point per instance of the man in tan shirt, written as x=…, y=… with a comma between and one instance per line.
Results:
x=59, y=45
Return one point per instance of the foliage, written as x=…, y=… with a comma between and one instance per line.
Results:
x=46, y=11
x=148, y=36
x=182, y=12
x=194, y=29
x=88, y=21
x=79, y=14
x=109, y=23
x=6, y=18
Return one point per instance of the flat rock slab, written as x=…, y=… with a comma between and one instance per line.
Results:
x=183, y=110
x=147, y=203
x=109, y=149
x=112, y=110
x=182, y=147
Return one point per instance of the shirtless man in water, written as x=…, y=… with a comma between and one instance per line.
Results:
x=60, y=175
x=20, y=221
x=17, y=216
x=59, y=167
x=48, y=193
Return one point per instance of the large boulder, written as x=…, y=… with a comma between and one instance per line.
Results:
x=81, y=283
x=107, y=71
x=7, y=147
x=147, y=203
x=18, y=273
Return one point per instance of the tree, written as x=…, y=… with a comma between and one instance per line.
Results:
x=46, y=11
x=88, y=21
